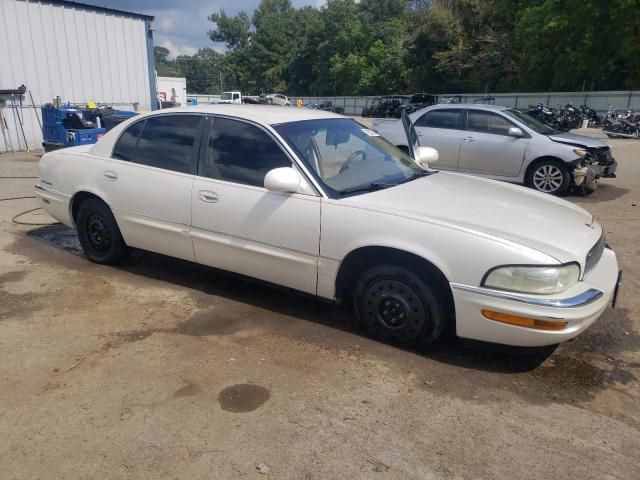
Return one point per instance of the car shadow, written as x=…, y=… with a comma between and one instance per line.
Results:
x=206, y=282
x=603, y=193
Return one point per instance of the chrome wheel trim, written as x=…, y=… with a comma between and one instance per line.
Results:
x=548, y=178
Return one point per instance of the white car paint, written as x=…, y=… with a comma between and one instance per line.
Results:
x=464, y=226
x=278, y=99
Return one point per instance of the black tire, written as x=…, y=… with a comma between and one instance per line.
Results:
x=99, y=233
x=396, y=306
x=549, y=176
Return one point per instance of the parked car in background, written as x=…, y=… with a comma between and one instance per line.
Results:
x=329, y=107
x=383, y=107
x=450, y=99
x=415, y=102
x=311, y=105
x=278, y=99
x=505, y=144
x=249, y=189
x=230, y=97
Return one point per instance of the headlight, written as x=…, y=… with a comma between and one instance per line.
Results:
x=542, y=280
x=581, y=152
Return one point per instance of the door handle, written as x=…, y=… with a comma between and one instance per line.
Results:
x=110, y=175
x=207, y=196
x=469, y=139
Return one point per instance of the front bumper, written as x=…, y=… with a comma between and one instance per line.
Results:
x=579, y=306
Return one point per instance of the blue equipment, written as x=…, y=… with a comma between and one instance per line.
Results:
x=66, y=127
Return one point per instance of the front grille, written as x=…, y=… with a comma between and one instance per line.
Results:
x=593, y=257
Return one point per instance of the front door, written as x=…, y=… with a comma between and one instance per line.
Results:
x=487, y=148
x=441, y=128
x=240, y=226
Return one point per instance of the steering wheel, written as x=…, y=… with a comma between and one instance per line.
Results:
x=350, y=160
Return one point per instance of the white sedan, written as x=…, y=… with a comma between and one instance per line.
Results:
x=314, y=201
x=278, y=99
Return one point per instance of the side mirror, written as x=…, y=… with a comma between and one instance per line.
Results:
x=426, y=155
x=283, y=180
x=516, y=132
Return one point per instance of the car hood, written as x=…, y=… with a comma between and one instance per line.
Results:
x=509, y=212
x=579, y=140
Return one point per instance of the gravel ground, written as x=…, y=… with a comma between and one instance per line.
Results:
x=164, y=369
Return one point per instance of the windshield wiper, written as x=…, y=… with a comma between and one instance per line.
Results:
x=368, y=188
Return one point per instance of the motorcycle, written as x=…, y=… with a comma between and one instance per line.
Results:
x=589, y=114
x=622, y=125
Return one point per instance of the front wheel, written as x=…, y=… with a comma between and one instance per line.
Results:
x=99, y=233
x=395, y=305
x=549, y=177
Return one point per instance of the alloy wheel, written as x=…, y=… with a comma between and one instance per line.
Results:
x=548, y=178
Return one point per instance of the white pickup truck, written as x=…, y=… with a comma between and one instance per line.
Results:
x=230, y=97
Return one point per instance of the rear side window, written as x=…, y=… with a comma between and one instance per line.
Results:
x=241, y=153
x=126, y=146
x=487, y=122
x=167, y=141
x=441, y=118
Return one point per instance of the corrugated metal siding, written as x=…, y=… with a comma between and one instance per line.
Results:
x=76, y=53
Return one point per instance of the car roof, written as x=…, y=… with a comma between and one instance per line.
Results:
x=476, y=106
x=266, y=114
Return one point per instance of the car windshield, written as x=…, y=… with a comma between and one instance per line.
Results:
x=532, y=123
x=348, y=158
x=225, y=96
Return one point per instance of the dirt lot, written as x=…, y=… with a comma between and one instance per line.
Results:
x=164, y=369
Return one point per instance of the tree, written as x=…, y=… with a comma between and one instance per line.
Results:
x=164, y=66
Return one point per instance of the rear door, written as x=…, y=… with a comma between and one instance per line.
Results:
x=441, y=129
x=487, y=148
x=148, y=182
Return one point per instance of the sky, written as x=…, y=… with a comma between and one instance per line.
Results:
x=182, y=26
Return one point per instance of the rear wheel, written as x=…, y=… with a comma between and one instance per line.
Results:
x=99, y=233
x=397, y=306
x=548, y=176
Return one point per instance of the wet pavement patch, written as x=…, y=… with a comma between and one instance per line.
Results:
x=12, y=276
x=59, y=236
x=188, y=390
x=17, y=305
x=243, y=398
x=212, y=322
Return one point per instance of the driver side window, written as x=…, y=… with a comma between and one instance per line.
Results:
x=240, y=152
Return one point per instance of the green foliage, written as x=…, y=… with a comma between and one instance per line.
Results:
x=164, y=66
x=399, y=46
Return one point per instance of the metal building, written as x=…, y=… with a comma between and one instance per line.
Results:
x=75, y=51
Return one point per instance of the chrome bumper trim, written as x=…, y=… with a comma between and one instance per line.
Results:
x=580, y=300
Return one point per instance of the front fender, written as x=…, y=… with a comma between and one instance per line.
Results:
x=461, y=254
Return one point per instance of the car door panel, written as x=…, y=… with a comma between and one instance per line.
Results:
x=495, y=153
x=148, y=183
x=441, y=129
x=251, y=231
x=240, y=226
x=152, y=207
x=446, y=142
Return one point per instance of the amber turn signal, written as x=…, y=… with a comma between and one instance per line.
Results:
x=523, y=321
